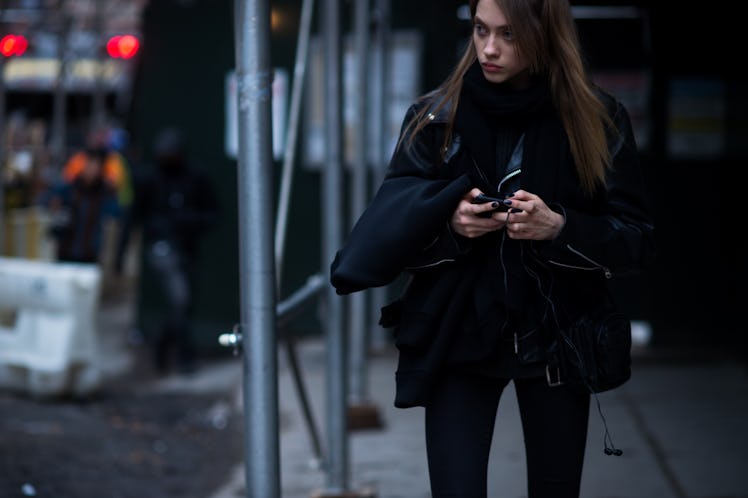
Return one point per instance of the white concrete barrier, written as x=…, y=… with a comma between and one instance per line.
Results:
x=48, y=338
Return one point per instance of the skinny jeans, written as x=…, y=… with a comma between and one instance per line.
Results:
x=459, y=421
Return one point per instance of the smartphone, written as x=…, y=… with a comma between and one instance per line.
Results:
x=483, y=198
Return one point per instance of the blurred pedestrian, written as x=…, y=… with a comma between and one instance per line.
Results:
x=80, y=208
x=494, y=285
x=175, y=204
x=116, y=171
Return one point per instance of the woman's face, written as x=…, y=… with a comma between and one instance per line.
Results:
x=495, y=46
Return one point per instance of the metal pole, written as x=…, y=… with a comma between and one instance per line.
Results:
x=281, y=219
x=59, y=116
x=315, y=284
x=292, y=132
x=98, y=114
x=337, y=454
x=378, y=295
x=383, y=35
x=3, y=146
x=3, y=143
x=256, y=264
x=359, y=196
x=284, y=311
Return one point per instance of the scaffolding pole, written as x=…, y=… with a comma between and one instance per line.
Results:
x=292, y=132
x=256, y=254
x=3, y=147
x=336, y=375
x=3, y=143
x=284, y=200
x=362, y=413
x=378, y=296
x=358, y=198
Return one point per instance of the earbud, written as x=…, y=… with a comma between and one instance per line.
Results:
x=613, y=451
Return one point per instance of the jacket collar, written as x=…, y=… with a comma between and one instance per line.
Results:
x=432, y=100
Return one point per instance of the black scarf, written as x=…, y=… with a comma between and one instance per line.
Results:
x=490, y=118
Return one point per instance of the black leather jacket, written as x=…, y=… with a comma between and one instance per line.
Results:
x=448, y=310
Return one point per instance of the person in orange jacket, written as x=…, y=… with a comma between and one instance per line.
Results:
x=81, y=207
x=115, y=172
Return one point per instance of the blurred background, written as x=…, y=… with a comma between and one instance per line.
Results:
x=121, y=70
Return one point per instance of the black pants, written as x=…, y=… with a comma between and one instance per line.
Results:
x=459, y=429
x=172, y=270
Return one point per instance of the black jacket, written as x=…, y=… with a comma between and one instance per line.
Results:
x=176, y=204
x=448, y=312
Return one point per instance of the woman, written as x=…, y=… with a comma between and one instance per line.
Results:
x=490, y=289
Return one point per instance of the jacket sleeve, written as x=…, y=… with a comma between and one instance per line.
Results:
x=620, y=238
x=407, y=214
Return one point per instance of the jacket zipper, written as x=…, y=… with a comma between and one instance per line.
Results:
x=508, y=177
x=435, y=263
x=606, y=271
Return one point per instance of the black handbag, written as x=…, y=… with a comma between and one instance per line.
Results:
x=594, y=353
x=595, y=350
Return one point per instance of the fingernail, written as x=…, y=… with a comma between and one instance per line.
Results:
x=507, y=202
x=494, y=204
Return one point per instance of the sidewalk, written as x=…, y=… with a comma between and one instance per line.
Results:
x=681, y=426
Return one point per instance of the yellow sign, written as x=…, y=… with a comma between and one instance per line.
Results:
x=41, y=74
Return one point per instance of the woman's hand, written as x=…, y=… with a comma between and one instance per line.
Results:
x=466, y=222
x=530, y=218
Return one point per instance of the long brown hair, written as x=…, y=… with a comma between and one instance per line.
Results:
x=546, y=34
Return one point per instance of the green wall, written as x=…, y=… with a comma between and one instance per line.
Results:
x=186, y=52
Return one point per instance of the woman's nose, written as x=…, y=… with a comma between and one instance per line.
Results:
x=492, y=47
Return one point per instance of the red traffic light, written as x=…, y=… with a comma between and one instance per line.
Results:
x=122, y=46
x=11, y=45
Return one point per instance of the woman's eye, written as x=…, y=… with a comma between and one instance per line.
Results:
x=508, y=35
x=480, y=29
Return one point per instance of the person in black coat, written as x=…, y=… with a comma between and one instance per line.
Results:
x=493, y=285
x=175, y=204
